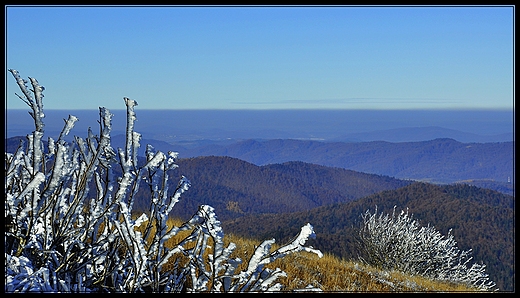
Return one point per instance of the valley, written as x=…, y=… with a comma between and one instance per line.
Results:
x=274, y=196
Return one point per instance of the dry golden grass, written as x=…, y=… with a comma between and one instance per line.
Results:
x=332, y=274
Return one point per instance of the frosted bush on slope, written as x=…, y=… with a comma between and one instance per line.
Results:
x=63, y=236
x=398, y=242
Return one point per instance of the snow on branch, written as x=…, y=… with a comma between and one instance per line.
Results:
x=399, y=242
x=69, y=224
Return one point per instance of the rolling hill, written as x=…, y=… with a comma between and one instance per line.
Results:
x=480, y=219
x=236, y=188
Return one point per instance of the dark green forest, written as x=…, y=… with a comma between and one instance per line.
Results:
x=480, y=219
x=235, y=187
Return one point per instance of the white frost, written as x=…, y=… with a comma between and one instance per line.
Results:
x=81, y=234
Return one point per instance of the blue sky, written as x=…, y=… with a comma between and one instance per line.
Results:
x=264, y=57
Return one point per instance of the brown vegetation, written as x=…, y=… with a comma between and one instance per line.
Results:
x=332, y=274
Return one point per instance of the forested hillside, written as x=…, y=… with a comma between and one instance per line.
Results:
x=236, y=188
x=480, y=219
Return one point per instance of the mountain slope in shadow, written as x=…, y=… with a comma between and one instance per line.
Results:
x=480, y=219
x=235, y=187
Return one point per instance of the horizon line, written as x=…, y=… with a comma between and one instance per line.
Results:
x=283, y=109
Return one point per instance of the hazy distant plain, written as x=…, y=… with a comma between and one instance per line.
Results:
x=324, y=125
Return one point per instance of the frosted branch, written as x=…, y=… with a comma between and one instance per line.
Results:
x=76, y=239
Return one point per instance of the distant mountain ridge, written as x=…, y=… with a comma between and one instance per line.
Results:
x=327, y=125
x=439, y=161
x=489, y=165
x=418, y=134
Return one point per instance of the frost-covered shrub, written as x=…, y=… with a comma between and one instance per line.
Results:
x=69, y=225
x=398, y=242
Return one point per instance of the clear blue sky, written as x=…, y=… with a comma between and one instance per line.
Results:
x=263, y=57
